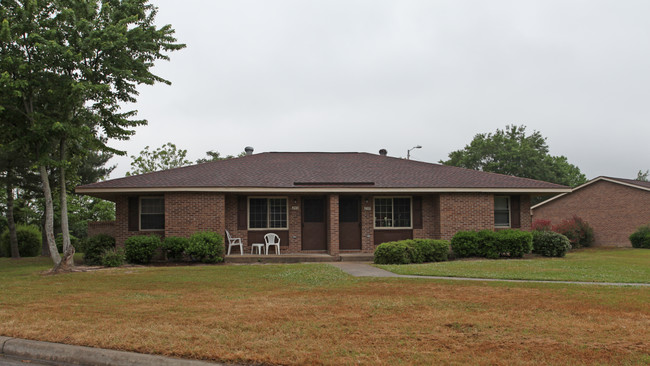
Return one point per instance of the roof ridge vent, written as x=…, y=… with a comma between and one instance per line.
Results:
x=248, y=150
x=383, y=152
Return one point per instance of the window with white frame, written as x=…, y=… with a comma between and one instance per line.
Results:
x=267, y=213
x=393, y=212
x=152, y=213
x=502, y=211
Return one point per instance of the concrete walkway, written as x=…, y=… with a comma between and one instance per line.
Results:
x=13, y=350
x=364, y=269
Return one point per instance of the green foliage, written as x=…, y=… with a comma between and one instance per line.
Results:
x=215, y=156
x=579, y=232
x=642, y=176
x=73, y=240
x=412, y=251
x=550, y=244
x=175, y=246
x=394, y=252
x=95, y=247
x=29, y=241
x=465, y=244
x=164, y=157
x=514, y=243
x=512, y=152
x=492, y=244
x=432, y=250
x=113, y=257
x=140, y=249
x=206, y=247
x=641, y=237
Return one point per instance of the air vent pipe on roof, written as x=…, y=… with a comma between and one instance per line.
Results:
x=383, y=152
x=248, y=150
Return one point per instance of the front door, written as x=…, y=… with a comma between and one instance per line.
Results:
x=349, y=223
x=314, y=226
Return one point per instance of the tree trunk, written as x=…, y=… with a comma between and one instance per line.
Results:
x=13, y=238
x=65, y=232
x=49, y=216
x=45, y=249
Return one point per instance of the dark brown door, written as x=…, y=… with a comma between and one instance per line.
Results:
x=314, y=226
x=349, y=223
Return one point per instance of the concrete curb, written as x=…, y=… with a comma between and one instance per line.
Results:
x=87, y=356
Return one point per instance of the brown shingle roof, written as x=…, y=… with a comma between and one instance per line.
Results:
x=633, y=182
x=317, y=169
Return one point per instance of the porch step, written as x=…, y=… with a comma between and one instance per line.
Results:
x=357, y=257
x=283, y=258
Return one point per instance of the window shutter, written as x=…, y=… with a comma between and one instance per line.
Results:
x=417, y=212
x=134, y=213
x=515, y=212
x=242, y=213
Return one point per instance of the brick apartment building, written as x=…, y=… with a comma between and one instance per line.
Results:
x=614, y=207
x=318, y=202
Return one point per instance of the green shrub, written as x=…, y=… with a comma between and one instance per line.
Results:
x=489, y=244
x=550, y=244
x=73, y=240
x=206, y=247
x=113, y=257
x=579, y=232
x=465, y=244
x=95, y=247
x=393, y=252
x=175, y=246
x=29, y=241
x=139, y=249
x=514, y=243
x=641, y=237
x=431, y=250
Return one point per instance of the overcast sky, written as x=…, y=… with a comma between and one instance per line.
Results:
x=365, y=75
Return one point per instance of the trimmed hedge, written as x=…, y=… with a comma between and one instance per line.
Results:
x=641, y=237
x=465, y=244
x=175, y=246
x=29, y=241
x=412, y=251
x=96, y=245
x=492, y=244
x=207, y=247
x=139, y=249
x=550, y=244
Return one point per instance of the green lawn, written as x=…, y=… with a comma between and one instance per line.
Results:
x=591, y=265
x=314, y=314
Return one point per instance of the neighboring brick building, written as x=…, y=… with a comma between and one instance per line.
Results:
x=614, y=207
x=327, y=202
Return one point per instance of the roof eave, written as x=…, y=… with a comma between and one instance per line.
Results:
x=112, y=191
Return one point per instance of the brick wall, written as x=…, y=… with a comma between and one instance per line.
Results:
x=101, y=227
x=190, y=212
x=525, y=216
x=367, y=225
x=122, y=223
x=430, y=218
x=465, y=211
x=614, y=211
x=333, y=224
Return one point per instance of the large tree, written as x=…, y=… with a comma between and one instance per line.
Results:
x=74, y=65
x=512, y=152
x=214, y=155
x=167, y=156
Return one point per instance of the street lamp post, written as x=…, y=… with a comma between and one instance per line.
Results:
x=408, y=153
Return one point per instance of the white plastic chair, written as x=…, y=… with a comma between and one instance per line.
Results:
x=234, y=242
x=272, y=240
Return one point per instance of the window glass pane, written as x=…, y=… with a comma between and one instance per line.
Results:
x=383, y=212
x=152, y=213
x=152, y=222
x=501, y=211
x=152, y=205
x=278, y=212
x=402, y=209
x=257, y=213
